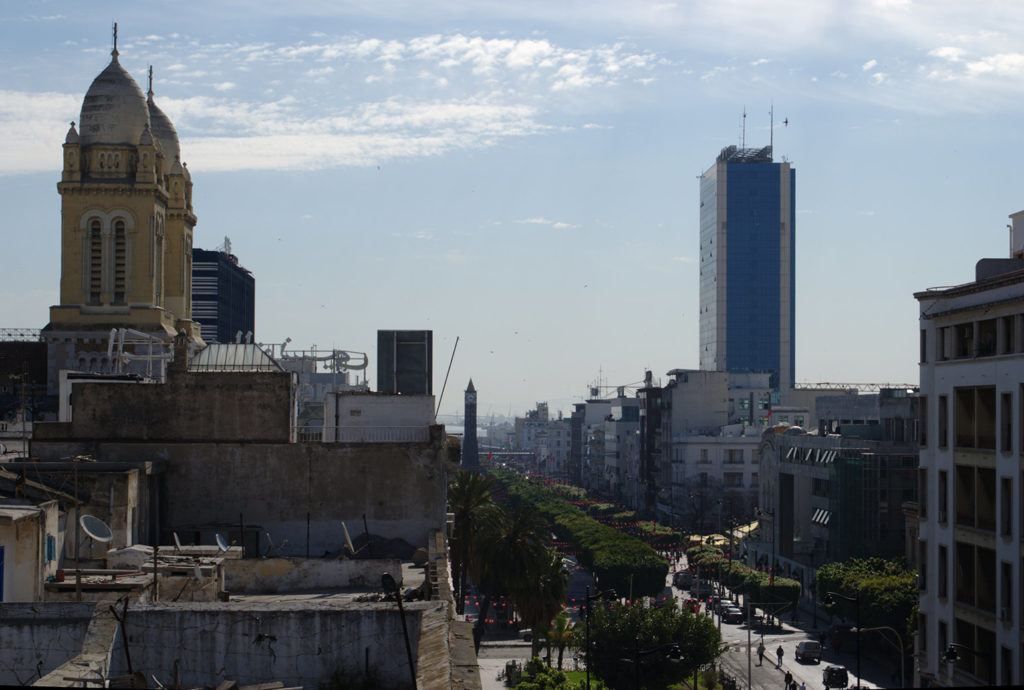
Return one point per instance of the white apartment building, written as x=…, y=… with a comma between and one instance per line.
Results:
x=972, y=403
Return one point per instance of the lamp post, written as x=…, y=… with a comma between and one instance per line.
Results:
x=391, y=586
x=952, y=656
x=771, y=565
x=587, y=598
x=899, y=641
x=830, y=600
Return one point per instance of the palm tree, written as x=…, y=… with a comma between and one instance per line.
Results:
x=469, y=501
x=560, y=635
x=508, y=555
x=541, y=596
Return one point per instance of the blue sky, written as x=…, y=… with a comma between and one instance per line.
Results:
x=523, y=175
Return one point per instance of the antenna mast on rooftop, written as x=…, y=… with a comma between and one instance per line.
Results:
x=771, y=127
x=743, y=140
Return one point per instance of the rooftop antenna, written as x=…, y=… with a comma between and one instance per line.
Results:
x=114, y=52
x=150, y=92
x=771, y=128
x=743, y=141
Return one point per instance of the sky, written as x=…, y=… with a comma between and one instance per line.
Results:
x=522, y=176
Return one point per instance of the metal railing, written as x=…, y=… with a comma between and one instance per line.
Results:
x=363, y=434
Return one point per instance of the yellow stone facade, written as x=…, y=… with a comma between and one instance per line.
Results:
x=126, y=226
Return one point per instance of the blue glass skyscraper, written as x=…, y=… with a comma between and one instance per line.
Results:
x=747, y=249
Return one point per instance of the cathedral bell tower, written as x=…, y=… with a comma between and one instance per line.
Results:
x=126, y=227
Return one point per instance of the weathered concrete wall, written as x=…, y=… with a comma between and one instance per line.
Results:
x=295, y=643
x=206, y=406
x=399, y=487
x=37, y=638
x=272, y=575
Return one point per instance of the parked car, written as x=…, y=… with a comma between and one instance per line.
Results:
x=732, y=615
x=682, y=579
x=835, y=677
x=809, y=650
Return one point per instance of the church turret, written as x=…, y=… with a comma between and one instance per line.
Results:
x=145, y=169
x=72, y=156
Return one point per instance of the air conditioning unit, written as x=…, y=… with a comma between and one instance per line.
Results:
x=1004, y=613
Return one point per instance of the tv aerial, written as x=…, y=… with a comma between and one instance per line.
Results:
x=95, y=528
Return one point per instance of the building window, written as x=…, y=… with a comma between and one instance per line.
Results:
x=922, y=567
x=754, y=480
x=943, y=571
x=1006, y=589
x=1009, y=336
x=943, y=496
x=1006, y=422
x=51, y=547
x=987, y=338
x=943, y=421
x=922, y=492
x=922, y=425
x=733, y=480
x=95, y=262
x=963, y=340
x=120, y=267
x=975, y=417
x=1005, y=506
x=924, y=346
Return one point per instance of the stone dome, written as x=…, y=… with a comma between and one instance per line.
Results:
x=164, y=132
x=114, y=110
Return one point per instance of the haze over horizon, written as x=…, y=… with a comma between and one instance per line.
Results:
x=524, y=177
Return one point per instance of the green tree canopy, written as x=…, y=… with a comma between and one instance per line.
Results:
x=622, y=633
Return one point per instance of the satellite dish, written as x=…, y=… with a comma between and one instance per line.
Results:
x=222, y=543
x=95, y=528
x=177, y=542
x=198, y=573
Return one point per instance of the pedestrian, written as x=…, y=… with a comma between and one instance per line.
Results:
x=778, y=653
x=803, y=685
x=760, y=653
x=789, y=680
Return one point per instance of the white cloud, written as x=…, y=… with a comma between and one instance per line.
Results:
x=879, y=77
x=540, y=220
x=869, y=65
x=951, y=53
x=319, y=71
x=1001, y=65
x=224, y=86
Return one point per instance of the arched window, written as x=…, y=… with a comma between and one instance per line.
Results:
x=95, y=261
x=120, y=262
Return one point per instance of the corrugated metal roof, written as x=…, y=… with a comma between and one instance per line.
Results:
x=233, y=357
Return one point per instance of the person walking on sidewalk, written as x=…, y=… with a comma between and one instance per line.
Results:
x=779, y=653
x=760, y=654
x=789, y=680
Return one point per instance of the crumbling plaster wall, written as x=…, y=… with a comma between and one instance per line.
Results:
x=300, y=643
x=37, y=638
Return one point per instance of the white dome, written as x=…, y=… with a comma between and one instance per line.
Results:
x=114, y=110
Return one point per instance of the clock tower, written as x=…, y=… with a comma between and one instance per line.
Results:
x=470, y=448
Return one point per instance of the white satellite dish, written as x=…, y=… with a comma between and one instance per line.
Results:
x=198, y=573
x=177, y=542
x=222, y=543
x=95, y=528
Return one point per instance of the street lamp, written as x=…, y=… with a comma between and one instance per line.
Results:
x=952, y=656
x=899, y=641
x=391, y=587
x=830, y=601
x=587, y=598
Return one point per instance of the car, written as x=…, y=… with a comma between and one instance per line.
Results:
x=809, y=650
x=682, y=579
x=732, y=615
x=835, y=677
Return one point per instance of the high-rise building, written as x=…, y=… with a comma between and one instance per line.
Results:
x=470, y=447
x=969, y=505
x=223, y=296
x=747, y=248
x=126, y=233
